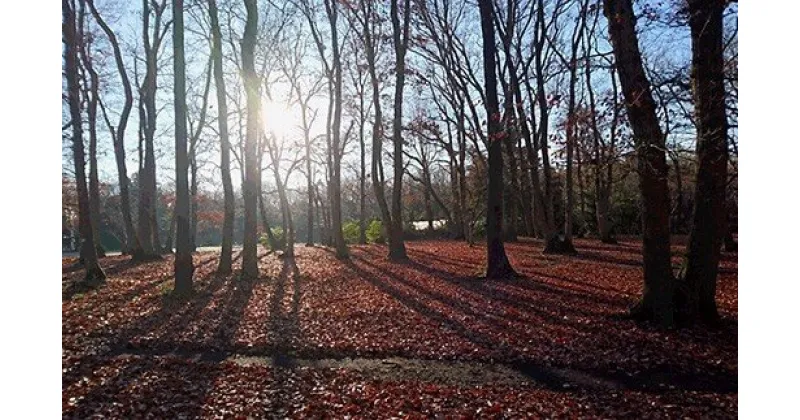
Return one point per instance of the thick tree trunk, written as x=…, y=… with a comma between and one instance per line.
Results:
x=252, y=172
x=497, y=264
x=656, y=302
x=226, y=255
x=94, y=273
x=698, y=286
x=183, y=252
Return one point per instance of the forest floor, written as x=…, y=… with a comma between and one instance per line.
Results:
x=374, y=339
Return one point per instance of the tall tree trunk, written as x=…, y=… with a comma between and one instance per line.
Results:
x=656, y=302
x=252, y=172
x=362, y=181
x=497, y=264
x=601, y=188
x=226, y=255
x=91, y=91
x=698, y=286
x=549, y=230
x=183, y=252
x=336, y=127
x=131, y=242
x=397, y=246
x=147, y=181
x=94, y=273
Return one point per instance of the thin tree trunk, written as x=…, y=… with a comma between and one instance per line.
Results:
x=226, y=255
x=397, y=247
x=131, y=242
x=183, y=252
x=656, y=302
x=91, y=92
x=94, y=273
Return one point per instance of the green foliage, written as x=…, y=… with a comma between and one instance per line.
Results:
x=350, y=231
x=277, y=232
x=375, y=232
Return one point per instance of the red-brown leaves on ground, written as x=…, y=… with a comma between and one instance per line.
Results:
x=131, y=350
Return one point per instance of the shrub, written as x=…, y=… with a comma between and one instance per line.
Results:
x=375, y=232
x=350, y=230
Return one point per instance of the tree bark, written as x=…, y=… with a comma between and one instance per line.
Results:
x=131, y=242
x=656, y=301
x=497, y=264
x=397, y=246
x=698, y=286
x=184, y=266
x=226, y=255
x=252, y=172
x=94, y=273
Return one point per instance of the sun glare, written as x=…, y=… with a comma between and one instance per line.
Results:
x=280, y=120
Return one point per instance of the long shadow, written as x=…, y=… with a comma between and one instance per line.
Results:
x=657, y=379
x=283, y=328
x=177, y=317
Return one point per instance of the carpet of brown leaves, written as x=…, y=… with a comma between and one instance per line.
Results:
x=131, y=350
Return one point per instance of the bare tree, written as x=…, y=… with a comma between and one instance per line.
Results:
x=226, y=255
x=497, y=264
x=251, y=161
x=118, y=133
x=94, y=273
x=183, y=247
x=656, y=302
x=710, y=215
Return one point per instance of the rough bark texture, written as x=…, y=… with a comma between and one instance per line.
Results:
x=226, y=256
x=94, y=273
x=183, y=252
x=497, y=264
x=250, y=187
x=656, y=302
x=698, y=286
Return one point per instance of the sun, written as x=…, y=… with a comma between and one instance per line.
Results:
x=279, y=120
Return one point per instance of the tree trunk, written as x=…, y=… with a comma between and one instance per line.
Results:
x=698, y=286
x=397, y=247
x=497, y=264
x=656, y=302
x=91, y=91
x=226, y=255
x=183, y=252
x=336, y=170
x=94, y=273
x=252, y=172
x=131, y=241
x=549, y=230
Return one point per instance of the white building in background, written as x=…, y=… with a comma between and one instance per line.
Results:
x=423, y=224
